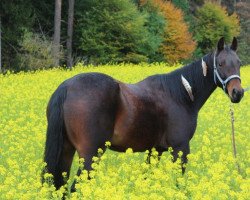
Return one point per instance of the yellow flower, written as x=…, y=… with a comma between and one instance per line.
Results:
x=211, y=172
x=107, y=144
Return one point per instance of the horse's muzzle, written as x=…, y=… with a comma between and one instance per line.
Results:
x=236, y=95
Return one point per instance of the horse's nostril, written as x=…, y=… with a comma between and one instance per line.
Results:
x=234, y=92
x=236, y=95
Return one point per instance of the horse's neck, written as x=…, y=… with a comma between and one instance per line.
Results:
x=202, y=86
x=171, y=84
x=203, y=94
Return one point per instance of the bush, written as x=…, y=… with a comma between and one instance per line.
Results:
x=213, y=22
x=35, y=52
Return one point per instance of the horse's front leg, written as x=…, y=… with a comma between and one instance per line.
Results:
x=185, y=149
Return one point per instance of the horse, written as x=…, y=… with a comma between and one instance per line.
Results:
x=158, y=112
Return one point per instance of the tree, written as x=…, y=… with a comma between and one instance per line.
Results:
x=57, y=31
x=213, y=22
x=111, y=31
x=16, y=17
x=230, y=5
x=185, y=7
x=155, y=24
x=44, y=13
x=243, y=11
x=177, y=43
x=70, y=32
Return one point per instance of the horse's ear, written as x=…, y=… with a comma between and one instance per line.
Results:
x=234, y=44
x=220, y=44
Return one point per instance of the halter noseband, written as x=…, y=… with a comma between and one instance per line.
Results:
x=223, y=82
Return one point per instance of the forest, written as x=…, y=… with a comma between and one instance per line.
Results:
x=43, y=34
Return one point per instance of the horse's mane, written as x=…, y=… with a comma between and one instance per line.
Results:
x=172, y=83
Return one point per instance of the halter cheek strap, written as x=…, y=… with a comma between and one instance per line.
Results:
x=223, y=82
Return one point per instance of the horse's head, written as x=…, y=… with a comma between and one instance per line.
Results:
x=227, y=70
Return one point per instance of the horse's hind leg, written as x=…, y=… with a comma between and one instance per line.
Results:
x=87, y=154
x=88, y=133
x=65, y=162
x=89, y=116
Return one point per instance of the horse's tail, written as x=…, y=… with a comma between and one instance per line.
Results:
x=54, y=138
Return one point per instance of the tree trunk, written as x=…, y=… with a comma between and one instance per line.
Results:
x=57, y=31
x=70, y=33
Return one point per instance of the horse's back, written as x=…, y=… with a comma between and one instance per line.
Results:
x=93, y=90
x=86, y=83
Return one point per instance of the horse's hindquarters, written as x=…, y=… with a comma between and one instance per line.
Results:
x=89, y=112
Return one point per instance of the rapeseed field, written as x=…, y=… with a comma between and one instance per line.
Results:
x=211, y=172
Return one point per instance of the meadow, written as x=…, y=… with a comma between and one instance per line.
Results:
x=211, y=172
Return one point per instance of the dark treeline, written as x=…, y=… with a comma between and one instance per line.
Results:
x=42, y=34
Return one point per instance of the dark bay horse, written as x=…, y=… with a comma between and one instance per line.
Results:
x=160, y=111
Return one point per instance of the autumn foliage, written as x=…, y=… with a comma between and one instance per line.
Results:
x=178, y=43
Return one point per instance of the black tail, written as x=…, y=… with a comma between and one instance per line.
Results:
x=55, y=132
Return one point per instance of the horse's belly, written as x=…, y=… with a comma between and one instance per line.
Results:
x=138, y=132
x=117, y=139
x=137, y=123
x=124, y=139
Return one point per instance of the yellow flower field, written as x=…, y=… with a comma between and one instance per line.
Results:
x=211, y=172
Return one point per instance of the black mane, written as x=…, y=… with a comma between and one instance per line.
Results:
x=172, y=83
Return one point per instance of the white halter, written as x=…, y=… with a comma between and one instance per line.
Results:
x=223, y=82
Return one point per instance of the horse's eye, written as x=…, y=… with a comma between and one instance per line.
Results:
x=220, y=64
